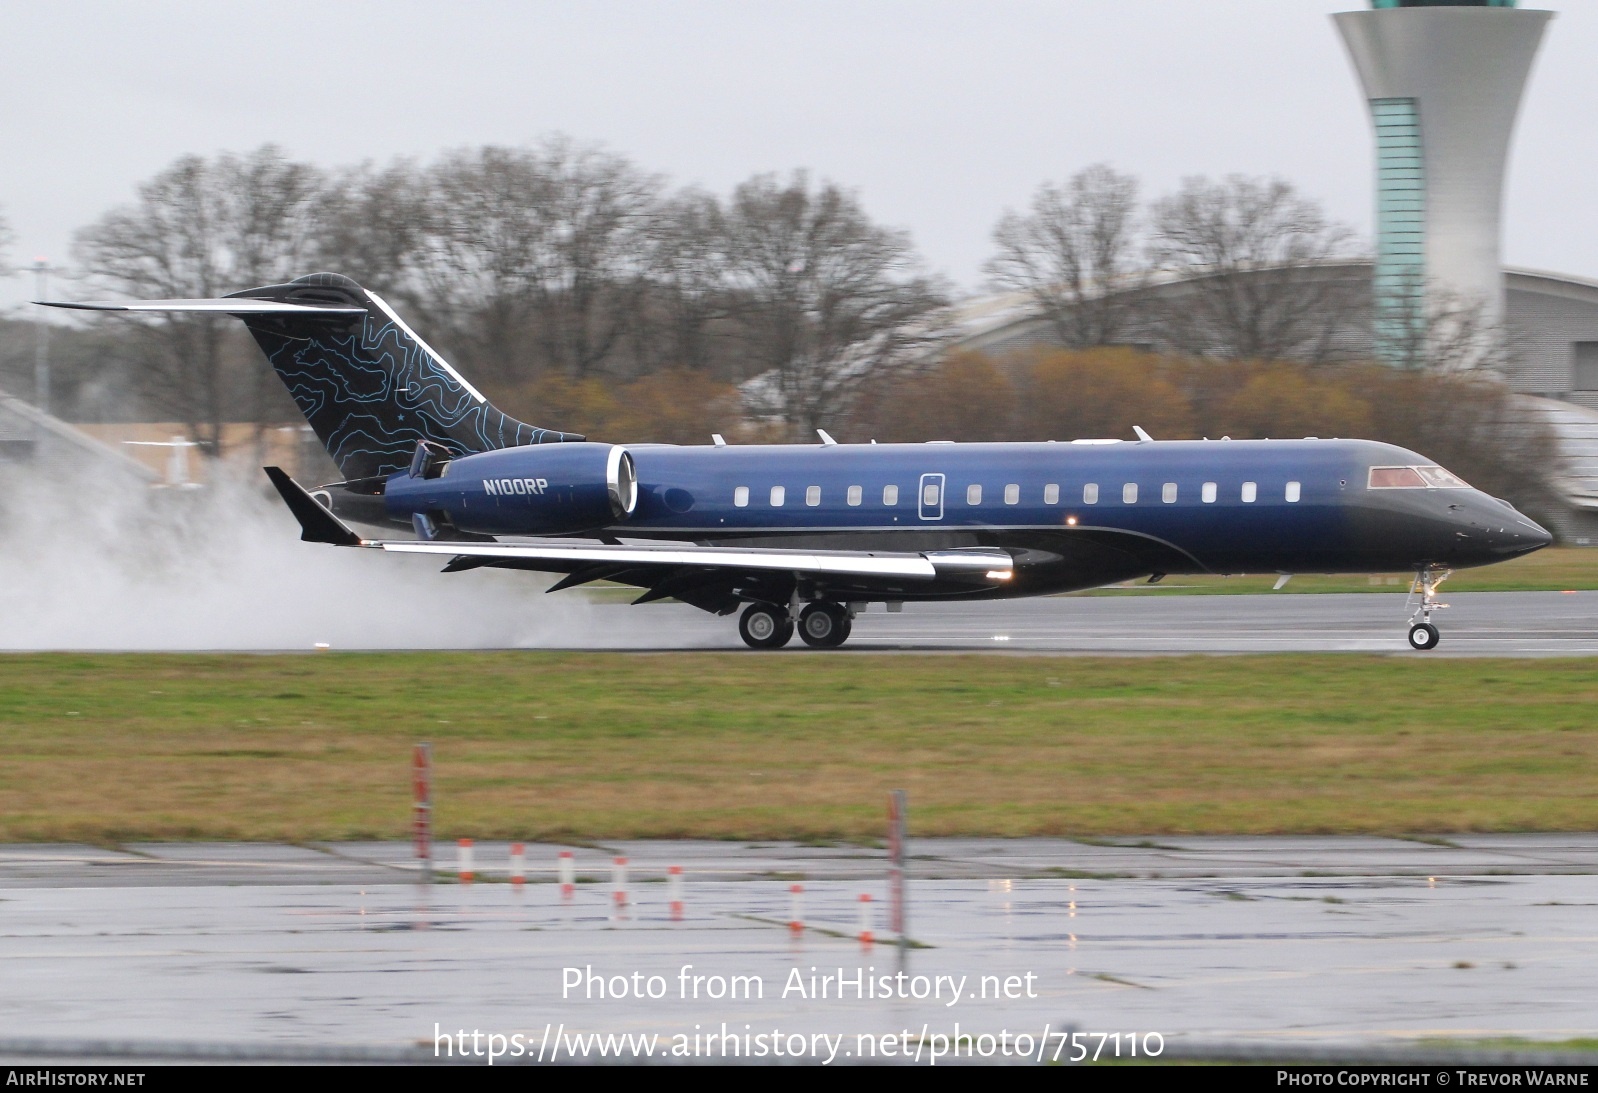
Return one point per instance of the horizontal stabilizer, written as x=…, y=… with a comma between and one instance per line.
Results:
x=317, y=525
x=231, y=306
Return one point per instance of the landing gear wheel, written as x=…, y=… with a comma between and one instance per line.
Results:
x=1423, y=635
x=824, y=625
x=765, y=626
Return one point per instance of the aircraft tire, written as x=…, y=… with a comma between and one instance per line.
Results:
x=1423, y=636
x=765, y=626
x=824, y=625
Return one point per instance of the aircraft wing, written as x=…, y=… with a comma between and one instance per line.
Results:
x=669, y=570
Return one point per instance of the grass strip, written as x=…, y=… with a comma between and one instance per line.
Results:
x=109, y=748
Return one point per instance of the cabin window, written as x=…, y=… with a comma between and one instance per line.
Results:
x=1051, y=494
x=1129, y=494
x=1250, y=491
x=1090, y=494
x=1012, y=494
x=855, y=493
x=929, y=494
x=812, y=496
x=1168, y=493
x=1293, y=491
x=740, y=497
x=973, y=494
x=1207, y=493
x=778, y=496
x=890, y=496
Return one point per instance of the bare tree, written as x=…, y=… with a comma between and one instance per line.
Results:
x=532, y=258
x=371, y=226
x=687, y=285
x=1074, y=255
x=203, y=229
x=1255, y=261
x=823, y=296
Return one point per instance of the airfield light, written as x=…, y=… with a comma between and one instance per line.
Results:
x=618, y=885
x=422, y=808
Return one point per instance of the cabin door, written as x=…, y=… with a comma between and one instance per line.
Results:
x=931, y=497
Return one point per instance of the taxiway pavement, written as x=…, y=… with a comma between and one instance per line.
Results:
x=1517, y=624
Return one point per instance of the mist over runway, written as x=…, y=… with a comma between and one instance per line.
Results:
x=222, y=569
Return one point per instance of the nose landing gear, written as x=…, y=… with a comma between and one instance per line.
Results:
x=1422, y=634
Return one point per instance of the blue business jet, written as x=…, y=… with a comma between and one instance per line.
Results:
x=802, y=537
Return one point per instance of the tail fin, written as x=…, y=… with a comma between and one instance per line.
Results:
x=368, y=385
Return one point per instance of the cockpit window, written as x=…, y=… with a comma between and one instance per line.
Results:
x=1415, y=478
x=1396, y=478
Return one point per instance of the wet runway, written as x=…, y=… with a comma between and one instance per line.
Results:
x=1530, y=624
x=1295, y=940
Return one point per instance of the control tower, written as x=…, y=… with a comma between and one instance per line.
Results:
x=1443, y=79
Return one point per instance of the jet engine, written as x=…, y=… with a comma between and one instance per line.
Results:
x=537, y=489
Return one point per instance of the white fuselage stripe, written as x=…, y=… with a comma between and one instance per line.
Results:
x=429, y=350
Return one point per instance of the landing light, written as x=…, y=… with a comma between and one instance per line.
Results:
x=1070, y=521
x=999, y=574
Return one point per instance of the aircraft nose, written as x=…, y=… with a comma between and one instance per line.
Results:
x=1513, y=535
x=1537, y=535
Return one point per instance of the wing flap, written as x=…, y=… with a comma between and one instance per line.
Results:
x=842, y=563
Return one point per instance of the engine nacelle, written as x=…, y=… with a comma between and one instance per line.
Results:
x=537, y=489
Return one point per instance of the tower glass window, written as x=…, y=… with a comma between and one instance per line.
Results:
x=1400, y=280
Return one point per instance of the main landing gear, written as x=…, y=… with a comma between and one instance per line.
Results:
x=765, y=626
x=1422, y=634
x=822, y=625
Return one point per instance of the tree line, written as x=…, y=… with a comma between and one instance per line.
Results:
x=583, y=292
x=1468, y=422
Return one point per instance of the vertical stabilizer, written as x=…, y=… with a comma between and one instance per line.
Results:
x=369, y=386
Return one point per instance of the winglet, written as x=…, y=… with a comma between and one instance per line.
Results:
x=1141, y=435
x=317, y=525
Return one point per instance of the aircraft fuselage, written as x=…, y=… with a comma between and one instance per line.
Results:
x=1076, y=515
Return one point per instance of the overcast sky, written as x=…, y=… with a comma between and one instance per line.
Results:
x=938, y=113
